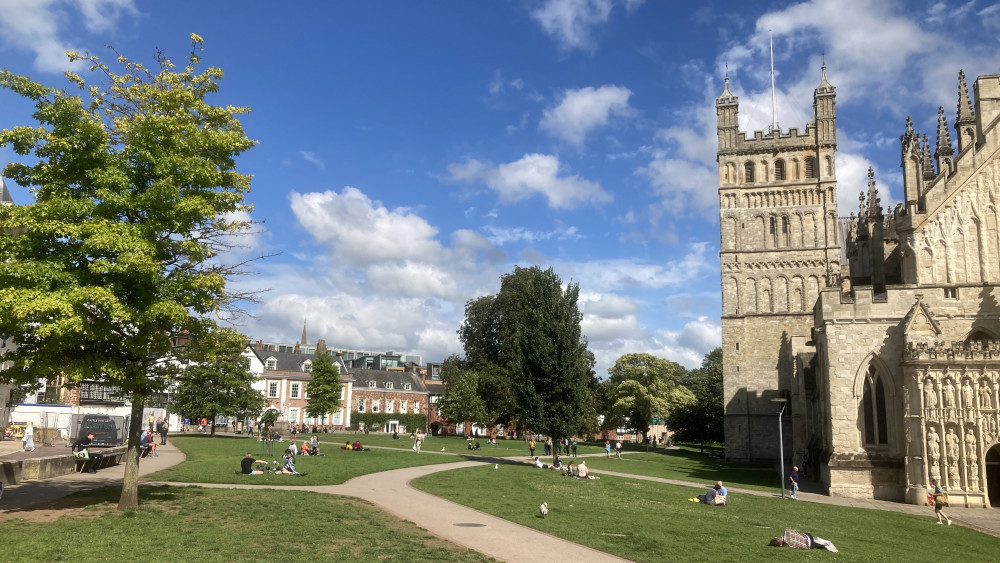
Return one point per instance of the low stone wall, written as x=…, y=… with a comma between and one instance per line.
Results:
x=16, y=471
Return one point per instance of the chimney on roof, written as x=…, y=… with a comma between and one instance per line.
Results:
x=296, y=350
x=259, y=345
x=320, y=347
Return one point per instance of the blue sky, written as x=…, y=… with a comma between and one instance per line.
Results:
x=413, y=152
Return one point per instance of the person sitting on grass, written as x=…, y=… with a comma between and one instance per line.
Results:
x=305, y=448
x=710, y=495
x=570, y=469
x=289, y=467
x=802, y=540
x=476, y=446
x=246, y=465
x=582, y=471
x=357, y=446
x=539, y=464
x=557, y=463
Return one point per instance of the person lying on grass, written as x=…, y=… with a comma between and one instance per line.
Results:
x=802, y=540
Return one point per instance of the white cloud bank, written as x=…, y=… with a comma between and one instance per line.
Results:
x=580, y=111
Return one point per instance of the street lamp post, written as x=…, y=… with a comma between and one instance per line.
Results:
x=781, y=443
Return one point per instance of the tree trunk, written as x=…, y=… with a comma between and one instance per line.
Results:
x=211, y=423
x=130, y=485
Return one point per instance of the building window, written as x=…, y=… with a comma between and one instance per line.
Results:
x=389, y=405
x=371, y=384
x=271, y=363
x=810, y=167
x=874, y=405
x=951, y=293
x=748, y=172
x=272, y=390
x=375, y=405
x=305, y=393
x=779, y=169
x=402, y=407
x=407, y=386
x=293, y=416
x=307, y=366
x=295, y=391
x=343, y=390
x=361, y=405
x=388, y=385
x=416, y=407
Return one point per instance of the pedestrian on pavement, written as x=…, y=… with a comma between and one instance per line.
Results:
x=607, y=448
x=164, y=428
x=793, y=482
x=152, y=422
x=28, y=439
x=80, y=447
x=618, y=448
x=574, y=447
x=418, y=440
x=531, y=448
x=548, y=447
x=940, y=500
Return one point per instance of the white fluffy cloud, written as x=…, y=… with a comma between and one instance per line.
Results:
x=533, y=174
x=580, y=111
x=570, y=22
x=38, y=26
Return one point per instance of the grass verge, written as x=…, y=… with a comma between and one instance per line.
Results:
x=645, y=521
x=192, y=524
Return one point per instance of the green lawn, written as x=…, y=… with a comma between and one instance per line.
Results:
x=687, y=465
x=455, y=444
x=215, y=460
x=192, y=524
x=645, y=521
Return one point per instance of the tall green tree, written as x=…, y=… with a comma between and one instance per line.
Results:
x=702, y=419
x=217, y=380
x=136, y=196
x=324, y=386
x=641, y=388
x=530, y=332
x=479, y=395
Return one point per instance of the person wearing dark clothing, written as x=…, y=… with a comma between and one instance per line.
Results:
x=246, y=465
x=81, y=447
x=793, y=482
x=164, y=428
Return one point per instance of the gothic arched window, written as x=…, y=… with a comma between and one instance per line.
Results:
x=873, y=406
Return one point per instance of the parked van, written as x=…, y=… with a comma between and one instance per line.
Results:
x=106, y=432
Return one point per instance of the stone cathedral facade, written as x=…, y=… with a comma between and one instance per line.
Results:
x=876, y=336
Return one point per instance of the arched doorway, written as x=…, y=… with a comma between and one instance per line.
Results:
x=993, y=475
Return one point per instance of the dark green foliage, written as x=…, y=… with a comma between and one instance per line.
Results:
x=527, y=340
x=324, y=387
x=702, y=420
x=217, y=380
x=641, y=388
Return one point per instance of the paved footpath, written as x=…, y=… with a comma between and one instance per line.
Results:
x=495, y=537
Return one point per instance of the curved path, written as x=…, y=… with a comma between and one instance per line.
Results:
x=495, y=537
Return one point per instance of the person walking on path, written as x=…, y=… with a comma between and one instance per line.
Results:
x=164, y=428
x=548, y=447
x=152, y=422
x=607, y=448
x=418, y=440
x=28, y=438
x=574, y=447
x=940, y=500
x=618, y=448
x=531, y=448
x=793, y=482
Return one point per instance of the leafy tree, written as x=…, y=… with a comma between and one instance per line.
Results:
x=702, y=420
x=217, y=380
x=480, y=395
x=324, y=387
x=136, y=194
x=530, y=333
x=642, y=387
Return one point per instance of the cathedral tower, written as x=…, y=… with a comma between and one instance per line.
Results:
x=779, y=248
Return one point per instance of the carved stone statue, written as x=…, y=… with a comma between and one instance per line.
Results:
x=967, y=401
x=985, y=397
x=953, y=478
x=974, y=475
x=951, y=443
x=933, y=446
x=930, y=401
x=948, y=400
x=970, y=446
